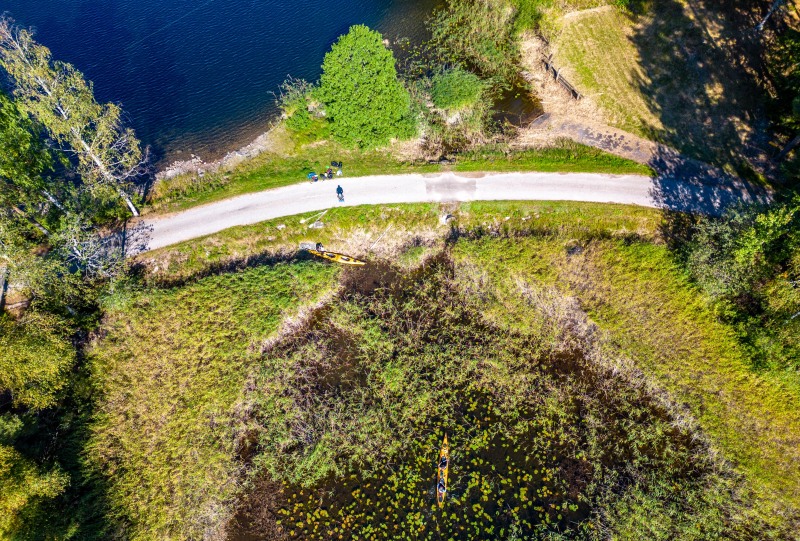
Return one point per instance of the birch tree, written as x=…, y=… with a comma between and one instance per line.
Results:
x=57, y=96
x=772, y=9
x=23, y=161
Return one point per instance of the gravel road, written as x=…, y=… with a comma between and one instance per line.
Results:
x=682, y=195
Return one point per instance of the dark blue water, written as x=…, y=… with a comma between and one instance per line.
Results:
x=197, y=76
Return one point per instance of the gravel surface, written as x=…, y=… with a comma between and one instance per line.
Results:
x=693, y=195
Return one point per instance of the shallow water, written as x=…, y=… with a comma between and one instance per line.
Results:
x=197, y=76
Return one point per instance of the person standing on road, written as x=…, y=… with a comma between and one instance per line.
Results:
x=340, y=193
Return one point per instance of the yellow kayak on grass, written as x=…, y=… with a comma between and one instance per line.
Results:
x=338, y=258
x=442, y=467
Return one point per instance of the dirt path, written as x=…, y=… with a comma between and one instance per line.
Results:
x=664, y=160
x=662, y=192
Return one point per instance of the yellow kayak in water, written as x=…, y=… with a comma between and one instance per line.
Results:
x=443, y=467
x=338, y=258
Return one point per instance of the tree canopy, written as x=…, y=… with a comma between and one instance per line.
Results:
x=364, y=101
x=35, y=358
x=108, y=155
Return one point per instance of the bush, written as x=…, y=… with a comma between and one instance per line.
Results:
x=293, y=101
x=35, y=359
x=365, y=103
x=730, y=256
x=456, y=89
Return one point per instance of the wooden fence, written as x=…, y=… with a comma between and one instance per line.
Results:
x=550, y=68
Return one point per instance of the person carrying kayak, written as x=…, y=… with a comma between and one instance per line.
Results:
x=340, y=193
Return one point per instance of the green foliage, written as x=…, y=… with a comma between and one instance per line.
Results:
x=784, y=62
x=107, y=155
x=747, y=260
x=36, y=357
x=23, y=159
x=169, y=374
x=23, y=487
x=729, y=257
x=478, y=34
x=294, y=103
x=365, y=103
x=455, y=89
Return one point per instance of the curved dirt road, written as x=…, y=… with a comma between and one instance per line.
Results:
x=681, y=195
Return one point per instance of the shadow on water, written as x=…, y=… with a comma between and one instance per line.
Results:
x=516, y=106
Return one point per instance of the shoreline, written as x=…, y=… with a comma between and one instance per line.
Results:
x=195, y=165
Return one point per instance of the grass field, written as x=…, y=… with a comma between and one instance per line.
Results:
x=170, y=368
x=676, y=72
x=185, y=390
x=584, y=50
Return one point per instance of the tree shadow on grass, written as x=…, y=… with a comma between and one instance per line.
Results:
x=703, y=77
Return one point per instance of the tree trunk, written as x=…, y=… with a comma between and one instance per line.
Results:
x=787, y=149
x=128, y=201
x=4, y=272
x=54, y=201
x=32, y=221
x=104, y=171
x=775, y=5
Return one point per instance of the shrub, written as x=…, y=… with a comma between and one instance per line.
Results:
x=35, y=359
x=365, y=103
x=456, y=89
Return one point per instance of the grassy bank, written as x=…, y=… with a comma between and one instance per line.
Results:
x=291, y=161
x=169, y=369
x=678, y=73
x=505, y=344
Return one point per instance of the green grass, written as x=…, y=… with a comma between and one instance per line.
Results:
x=172, y=367
x=568, y=157
x=169, y=371
x=281, y=168
x=634, y=291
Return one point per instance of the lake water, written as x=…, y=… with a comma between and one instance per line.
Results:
x=197, y=76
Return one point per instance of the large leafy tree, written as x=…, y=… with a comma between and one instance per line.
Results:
x=364, y=101
x=24, y=191
x=56, y=95
x=36, y=356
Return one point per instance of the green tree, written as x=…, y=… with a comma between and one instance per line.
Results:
x=23, y=487
x=57, y=96
x=23, y=162
x=36, y=356
x=730, y=256
x=365, y=103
